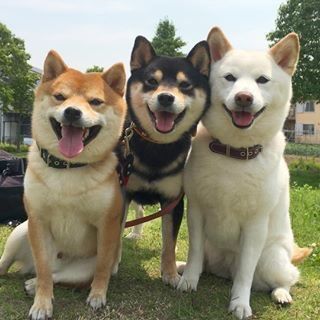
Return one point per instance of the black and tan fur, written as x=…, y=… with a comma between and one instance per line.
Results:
x=176, y=86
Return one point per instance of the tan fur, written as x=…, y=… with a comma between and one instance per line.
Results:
x=75, y=213
x=158, y=75
x=141, y=102
x=299, y=254
x=181, y=77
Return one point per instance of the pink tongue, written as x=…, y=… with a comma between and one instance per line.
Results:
x=164, y=121
x=242, y=118
x=71, y=144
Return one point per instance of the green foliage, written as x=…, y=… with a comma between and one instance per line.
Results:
x=8, y=147
x=165, y=41
x=95, y=69
x=305, y=212
x=305, y=172
x=305, y=165
x=302, y=17
x=302, y=149
x=12, y=148
x=17, y=81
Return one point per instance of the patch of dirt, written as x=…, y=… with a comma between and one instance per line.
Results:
x=290, y=158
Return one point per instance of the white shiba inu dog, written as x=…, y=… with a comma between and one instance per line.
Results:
x=236, y=178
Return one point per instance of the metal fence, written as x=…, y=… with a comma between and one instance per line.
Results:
x=304, y=137
x=305, y=144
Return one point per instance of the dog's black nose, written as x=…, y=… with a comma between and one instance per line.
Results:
x=244, y=99
x=166, y=99
x=72, y=114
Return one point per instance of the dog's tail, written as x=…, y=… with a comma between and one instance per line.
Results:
x=299, y=254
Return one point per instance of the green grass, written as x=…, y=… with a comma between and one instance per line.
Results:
x=305, y=172
x=138, y=293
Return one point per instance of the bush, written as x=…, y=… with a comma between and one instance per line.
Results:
x=11, y=148
x=305, y=165
x=301, y=149
x=8, y=147
x=24, y=148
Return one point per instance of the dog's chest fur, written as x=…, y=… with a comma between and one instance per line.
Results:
x=71, y=202
x=157, y=169
x=230, y=191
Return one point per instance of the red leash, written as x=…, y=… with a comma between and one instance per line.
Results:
x=167, y=209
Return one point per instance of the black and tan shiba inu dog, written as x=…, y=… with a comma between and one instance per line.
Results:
x=166, y=98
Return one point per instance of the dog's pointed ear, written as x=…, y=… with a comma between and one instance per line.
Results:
x=286, y=52
x=142, y=53
x=53, y=66
x=115, y=77
x=199, y=56
x=218, y=44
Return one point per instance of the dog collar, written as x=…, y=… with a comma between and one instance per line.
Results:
x=54, y=162
x=143, y=135
x=237, y=153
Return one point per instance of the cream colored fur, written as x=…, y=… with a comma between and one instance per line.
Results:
x=238, y=210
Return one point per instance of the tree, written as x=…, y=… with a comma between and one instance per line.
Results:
x=165, y=41
x=94, y=69
x=17, y=81
x=302, y=17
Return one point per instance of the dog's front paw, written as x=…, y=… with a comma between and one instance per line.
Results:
x=181, y=265
x=171, y=279
x=240, y=310
x=96, y=300
x=30, y=286
x=188, y=284
x=281, y=295
x=41, y=309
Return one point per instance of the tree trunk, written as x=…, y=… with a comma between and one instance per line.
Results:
x=19, y=132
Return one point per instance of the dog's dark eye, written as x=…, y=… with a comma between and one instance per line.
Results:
x=95, y=102
x=262, y=79
x=59, y=97
x=152, y=82
x=230, y=77
x=185, y=85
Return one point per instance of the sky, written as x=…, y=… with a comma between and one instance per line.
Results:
x=102, y=32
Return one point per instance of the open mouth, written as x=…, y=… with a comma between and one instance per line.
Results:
x=165, y=121
x=73, y=139
x=243, y=119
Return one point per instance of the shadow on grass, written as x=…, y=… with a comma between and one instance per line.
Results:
x=303, y=177
x=305, y=171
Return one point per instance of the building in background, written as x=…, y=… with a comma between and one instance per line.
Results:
x=290, y=124
x=307, y=126
x=9, y=122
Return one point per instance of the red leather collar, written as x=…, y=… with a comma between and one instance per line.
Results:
x=237, y=153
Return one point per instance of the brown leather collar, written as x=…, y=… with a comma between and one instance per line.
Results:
x=236, y=153
x=143, y=135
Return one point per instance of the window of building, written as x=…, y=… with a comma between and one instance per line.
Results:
x=309, y=106
x=308, y=129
